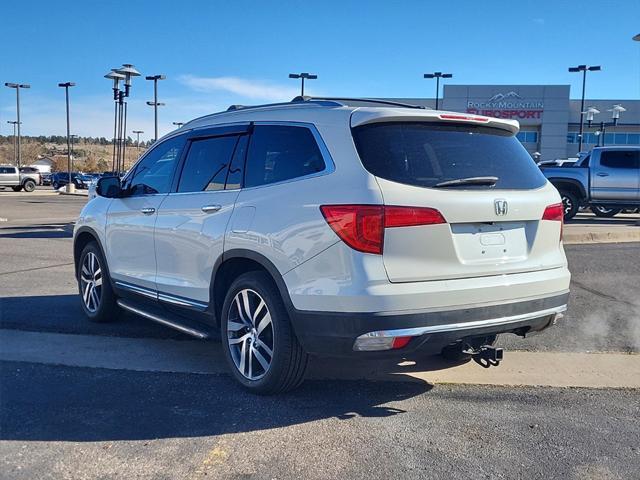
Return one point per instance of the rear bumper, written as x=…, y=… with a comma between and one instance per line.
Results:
x=335, y=333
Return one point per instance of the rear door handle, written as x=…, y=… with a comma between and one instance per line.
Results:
x=211, y=208
x=148, y=210
x=602, y=174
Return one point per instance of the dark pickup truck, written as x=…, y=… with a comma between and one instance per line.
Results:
x=607, y=180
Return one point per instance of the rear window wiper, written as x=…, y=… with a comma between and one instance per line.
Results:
x=490, y=181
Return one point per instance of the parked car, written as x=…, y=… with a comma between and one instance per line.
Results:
x=607, y=180
x=322, y=227
x=10, y=176
x=60, y=179
x=34, y=172
x=46, y=179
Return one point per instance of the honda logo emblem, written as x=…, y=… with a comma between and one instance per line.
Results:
x=501, y=206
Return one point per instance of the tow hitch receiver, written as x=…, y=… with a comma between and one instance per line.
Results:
x=486, y=356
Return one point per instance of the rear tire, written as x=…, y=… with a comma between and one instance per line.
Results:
x=29, y=186
x=259, y=343
x=604, y=212
x=55, y=185
x=94, y=285
x=17, y=189
x=570, y=204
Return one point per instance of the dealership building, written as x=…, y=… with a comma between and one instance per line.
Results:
x=549, y=118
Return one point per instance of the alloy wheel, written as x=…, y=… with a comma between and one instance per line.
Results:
x=567, y=203
x=91, y=282
x=250, y=334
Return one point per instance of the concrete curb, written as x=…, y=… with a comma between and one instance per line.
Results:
x=626, y=236
x=75, y=194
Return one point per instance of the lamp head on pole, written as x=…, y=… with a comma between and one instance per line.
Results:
x=116, y=77
x=591, y=112
x=616, y=110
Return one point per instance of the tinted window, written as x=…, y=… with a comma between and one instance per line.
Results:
x=155, y=171
x=425, y=154
x=619, y=159
x=279, y=152
x=236, y=171
x=206, y=166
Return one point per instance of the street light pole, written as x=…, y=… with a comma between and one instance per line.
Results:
x=138, y=132
x=15, y=149
x=73, y=137
x=18, y=86
x=302, y=76
x=66, y=85
x=583, y=69
x=438, y=76
x=155, y=103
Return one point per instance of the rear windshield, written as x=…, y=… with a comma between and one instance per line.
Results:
x=426, y=154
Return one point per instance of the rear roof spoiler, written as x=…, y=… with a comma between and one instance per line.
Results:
x=363, y=116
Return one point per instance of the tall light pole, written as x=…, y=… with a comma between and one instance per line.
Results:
x=303, y=76
x=438, y=76
x=138, y=132
x=15, y=149
x=178, y=124
x=129, y=71
x=116, y=78
x=73, y=137
x=66, y=85
x=583, y=69
x=18, y=86
x=155, y=103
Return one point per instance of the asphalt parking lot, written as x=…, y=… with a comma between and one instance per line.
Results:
x=85, y=413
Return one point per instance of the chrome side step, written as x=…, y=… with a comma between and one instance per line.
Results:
x=167, y=322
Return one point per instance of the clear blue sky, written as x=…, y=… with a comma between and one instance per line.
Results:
x=216, y=53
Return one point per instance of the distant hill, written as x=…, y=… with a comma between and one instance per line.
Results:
x=89, y=154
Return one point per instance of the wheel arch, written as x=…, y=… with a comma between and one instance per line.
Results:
x=235, y=262
x=570, y=185
x=84, y=236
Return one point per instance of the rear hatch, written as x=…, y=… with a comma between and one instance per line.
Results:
x=491, y=196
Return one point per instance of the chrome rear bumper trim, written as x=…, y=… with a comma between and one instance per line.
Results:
x=454, y=327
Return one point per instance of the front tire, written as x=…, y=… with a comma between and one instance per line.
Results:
x=55, y=185
x=17, y=188
x=259, y=343
x=29, y=186
x=570, y=204
x=605, y=212
x=96, y=295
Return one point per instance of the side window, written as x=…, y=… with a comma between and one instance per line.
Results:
x=155, y=172
x=236, y=170
x=281, y=152
x=620, y=159
x=206, y=166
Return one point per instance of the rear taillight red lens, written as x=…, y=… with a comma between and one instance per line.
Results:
x=555, y=213
x=411, y=216
x=359, y=226
x=362, y=226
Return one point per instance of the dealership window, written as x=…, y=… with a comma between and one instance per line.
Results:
x=527, y=137
x=609, y=138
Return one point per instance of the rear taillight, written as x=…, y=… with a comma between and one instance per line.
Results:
x=362, y=226
x=555, y=213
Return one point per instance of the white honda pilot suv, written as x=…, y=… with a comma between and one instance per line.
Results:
x=329, y=227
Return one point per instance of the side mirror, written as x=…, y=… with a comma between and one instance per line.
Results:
x=109, y=187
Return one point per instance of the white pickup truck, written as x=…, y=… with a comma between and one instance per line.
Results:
x=10, y=176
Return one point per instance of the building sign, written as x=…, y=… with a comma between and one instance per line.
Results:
x=509, y=105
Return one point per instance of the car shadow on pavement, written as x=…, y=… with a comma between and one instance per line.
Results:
x=53, y=403
x=37, y=231
x=63, y=314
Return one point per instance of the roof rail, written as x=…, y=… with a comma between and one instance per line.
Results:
x=355, y=99
x=323, y=102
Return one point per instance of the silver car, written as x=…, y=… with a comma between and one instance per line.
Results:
x=329, y=227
